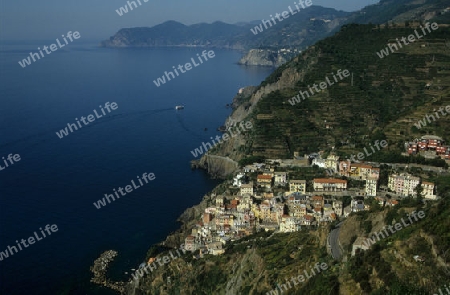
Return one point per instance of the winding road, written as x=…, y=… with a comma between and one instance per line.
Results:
x=333, y=242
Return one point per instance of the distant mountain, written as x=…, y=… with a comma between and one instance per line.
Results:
x=381, y=99
x=296, y=32
x=299, y=31
x=172, y=33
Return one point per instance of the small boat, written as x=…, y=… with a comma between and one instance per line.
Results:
x=179, y=107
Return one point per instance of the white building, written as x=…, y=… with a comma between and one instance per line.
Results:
x=403, y=184
x=237, y=180
x=288, y=225
x=428, y=190
x=319, y=162
x=330, y=184
x=332, y=162
x=247, y=188
x=371, y=187
x=280, y=178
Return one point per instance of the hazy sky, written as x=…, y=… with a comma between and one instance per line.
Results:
x=98, y=20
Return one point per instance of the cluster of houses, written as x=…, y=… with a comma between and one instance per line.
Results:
x=403, y=184
x=234, y=217
x=428, y=144
x=254, y=205
x=359, y=171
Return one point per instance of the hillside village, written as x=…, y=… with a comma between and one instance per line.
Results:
x=266, y=196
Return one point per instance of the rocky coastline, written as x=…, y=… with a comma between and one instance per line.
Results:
x=100, y=268
x=219, y=166
x=262, y=58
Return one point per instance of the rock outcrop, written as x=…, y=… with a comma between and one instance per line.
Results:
x=217, y=166
x=100, y=268
x=263, y=57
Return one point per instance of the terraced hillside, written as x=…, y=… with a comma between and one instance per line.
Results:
x=381, y=99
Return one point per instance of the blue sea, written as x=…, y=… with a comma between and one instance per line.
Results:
x=58, y=180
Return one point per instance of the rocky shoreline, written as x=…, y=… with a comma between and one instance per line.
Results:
x=100, y=268
x=218, y=167
x=262, y=58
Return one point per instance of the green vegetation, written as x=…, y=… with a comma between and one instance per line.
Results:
x=396, y=157
x=379, y=258
x=382, y=101
x=250, y=160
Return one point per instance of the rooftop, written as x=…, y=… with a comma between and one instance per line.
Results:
x=329, y=180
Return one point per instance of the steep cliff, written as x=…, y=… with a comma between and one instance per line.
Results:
x=245, y=106
x=261, y=57
x=218, y=166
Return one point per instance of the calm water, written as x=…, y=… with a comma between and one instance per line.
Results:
x=57, y=180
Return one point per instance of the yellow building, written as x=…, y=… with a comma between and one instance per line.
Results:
x=297, y=186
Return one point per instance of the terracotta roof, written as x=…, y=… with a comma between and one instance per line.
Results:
x=361, y=165
x=264, y=177
x=329, y=180
x=426, y=182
